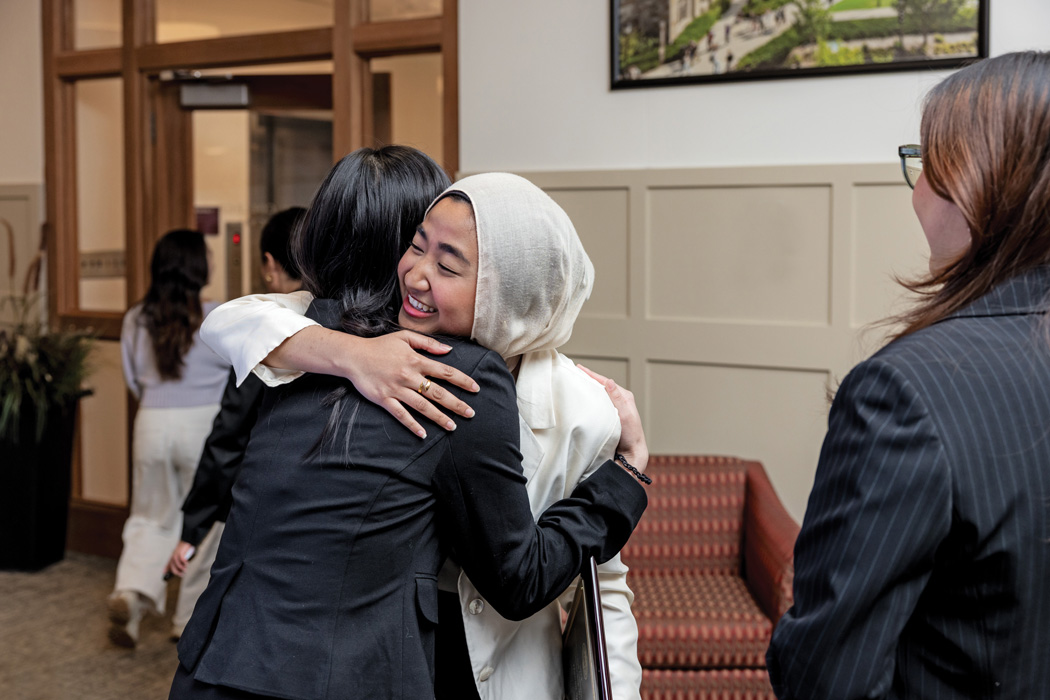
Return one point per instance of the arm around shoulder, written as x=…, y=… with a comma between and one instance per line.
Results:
x=518, y=564
x=245, y=331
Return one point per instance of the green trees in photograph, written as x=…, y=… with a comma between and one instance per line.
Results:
x=812, y=21
x=928, y=16
x=925, y=17
x=643, y=51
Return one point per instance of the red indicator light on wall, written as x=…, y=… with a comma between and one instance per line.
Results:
x=236, y=239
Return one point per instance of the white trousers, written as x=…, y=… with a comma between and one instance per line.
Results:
x=166, y=446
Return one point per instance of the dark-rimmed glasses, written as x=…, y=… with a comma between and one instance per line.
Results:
x=911, y=163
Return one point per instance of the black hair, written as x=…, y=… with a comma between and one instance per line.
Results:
x=360, y=223
x=276, y=236
x=171, y=309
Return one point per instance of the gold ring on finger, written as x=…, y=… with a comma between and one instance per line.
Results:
x=424, y=386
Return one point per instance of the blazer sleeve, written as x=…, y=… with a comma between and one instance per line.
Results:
x=209, y=498
x=517, y=563
x=880, y=506
x=244, y=331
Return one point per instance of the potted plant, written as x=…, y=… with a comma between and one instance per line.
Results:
x=41, y=372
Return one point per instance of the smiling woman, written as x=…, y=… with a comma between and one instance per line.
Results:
x=439, y=272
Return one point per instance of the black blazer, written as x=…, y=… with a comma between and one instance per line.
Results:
x=210, y=497
x=325, y=583
x=923, y=566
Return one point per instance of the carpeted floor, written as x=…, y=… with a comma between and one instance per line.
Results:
x=53, y=643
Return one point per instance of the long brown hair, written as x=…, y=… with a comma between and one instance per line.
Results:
x=171, y=310
x=986, y=147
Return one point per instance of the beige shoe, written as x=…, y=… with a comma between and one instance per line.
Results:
x=125, y=614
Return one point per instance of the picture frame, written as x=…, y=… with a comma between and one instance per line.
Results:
x=672, y=42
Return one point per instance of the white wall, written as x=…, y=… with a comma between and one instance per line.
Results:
x=534, y=95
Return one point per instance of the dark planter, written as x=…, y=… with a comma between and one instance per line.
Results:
x=34, y=492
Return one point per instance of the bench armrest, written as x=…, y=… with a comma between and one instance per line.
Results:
x=769, y=543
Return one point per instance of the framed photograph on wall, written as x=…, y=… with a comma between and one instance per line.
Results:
x=668, y=42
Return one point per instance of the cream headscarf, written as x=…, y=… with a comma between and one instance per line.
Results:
x=533, y=278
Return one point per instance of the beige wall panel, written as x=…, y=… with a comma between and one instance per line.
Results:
x=887, y=242
x=617, y=370
x=749, y=290
x=103, y=429
x=775, y=416
x=743, y=254
x=600, y=217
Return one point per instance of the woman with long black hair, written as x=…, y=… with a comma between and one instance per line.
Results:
x=178, y=382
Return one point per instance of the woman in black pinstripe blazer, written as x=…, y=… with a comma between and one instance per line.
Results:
x=923, y=564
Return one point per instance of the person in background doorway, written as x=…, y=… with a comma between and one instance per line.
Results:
x=922, y=569
x=177, y=381
x=280, y=273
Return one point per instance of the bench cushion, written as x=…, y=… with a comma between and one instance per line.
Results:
x=722, y=684
x=686, y=620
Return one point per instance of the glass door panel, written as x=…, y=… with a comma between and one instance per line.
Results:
x=97, y=24
x=291, y=155
x=251, y=163
x=104, y=429
x=383, y=10
x=100, y=194
x=407, y=101
x=185, y=20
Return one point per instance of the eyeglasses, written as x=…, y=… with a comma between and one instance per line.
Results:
x=911, y=163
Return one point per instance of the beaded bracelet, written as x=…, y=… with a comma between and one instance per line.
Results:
x=629, y=467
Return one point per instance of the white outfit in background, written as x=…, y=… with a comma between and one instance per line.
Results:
x=165, y=447
x=173, y=420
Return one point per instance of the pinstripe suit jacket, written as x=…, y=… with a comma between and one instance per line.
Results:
x=923, y=564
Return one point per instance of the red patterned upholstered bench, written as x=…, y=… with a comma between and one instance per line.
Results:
x=711, y=570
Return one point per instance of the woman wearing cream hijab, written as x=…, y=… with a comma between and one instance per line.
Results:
x=533, y=277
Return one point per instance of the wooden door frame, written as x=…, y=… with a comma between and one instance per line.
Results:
x=151, y=145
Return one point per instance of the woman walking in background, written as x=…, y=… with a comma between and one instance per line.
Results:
x=178, y=382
